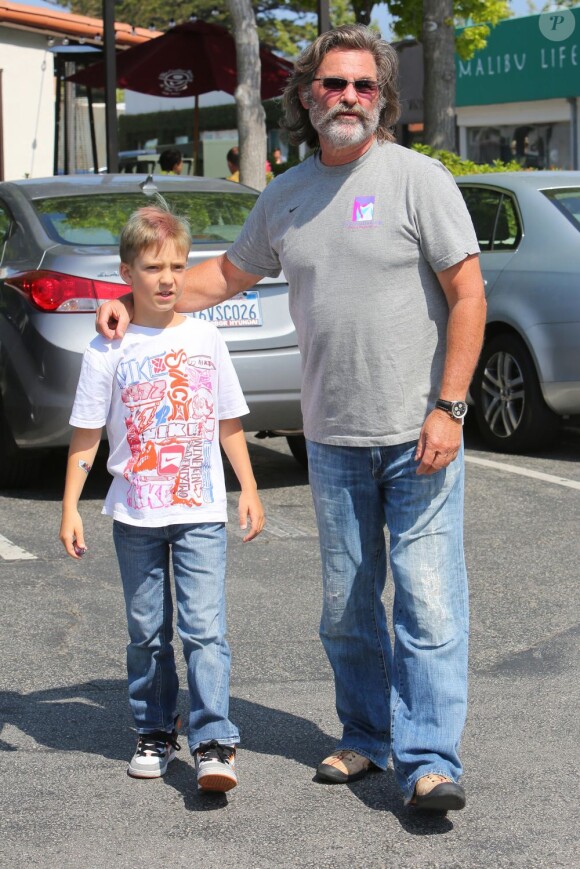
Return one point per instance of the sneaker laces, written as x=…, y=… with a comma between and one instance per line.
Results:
x=214, y=751
x=155, y=743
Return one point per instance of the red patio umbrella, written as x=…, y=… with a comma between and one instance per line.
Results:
x=190, y=59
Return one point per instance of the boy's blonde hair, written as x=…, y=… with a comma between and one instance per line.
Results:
x=151, y=227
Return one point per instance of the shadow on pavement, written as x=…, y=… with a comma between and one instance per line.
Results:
x=82, y=718
x=93, y=718
x=380, y=792
x=271, y=468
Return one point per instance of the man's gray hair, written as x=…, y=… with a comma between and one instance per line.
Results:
x=352, y=37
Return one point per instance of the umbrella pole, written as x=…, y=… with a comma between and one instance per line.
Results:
x=57, y=121
x=1, y=132
x=92, y=130
x=195, y=133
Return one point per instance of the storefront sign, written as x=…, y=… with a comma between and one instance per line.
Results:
x=532, y=58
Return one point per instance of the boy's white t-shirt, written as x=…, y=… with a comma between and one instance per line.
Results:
x=161, y=394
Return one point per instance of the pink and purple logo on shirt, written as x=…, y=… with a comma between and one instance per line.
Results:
x=363, y=209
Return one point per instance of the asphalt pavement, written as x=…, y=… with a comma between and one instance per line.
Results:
x=66, y=738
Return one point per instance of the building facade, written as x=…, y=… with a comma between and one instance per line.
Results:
x=30, y=37
x=519, y=97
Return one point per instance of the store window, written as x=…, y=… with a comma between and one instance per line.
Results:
x=533, y=146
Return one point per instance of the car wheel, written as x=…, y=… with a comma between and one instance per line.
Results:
x=510, y=410
x=297, y=444
x=17, y=467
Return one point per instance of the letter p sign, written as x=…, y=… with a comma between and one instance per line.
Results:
x=557, y=26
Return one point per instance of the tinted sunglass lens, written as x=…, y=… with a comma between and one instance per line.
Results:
x=334, y=84
x=362, y=86
x=365, y=86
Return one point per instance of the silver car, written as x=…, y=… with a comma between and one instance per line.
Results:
x=59, y=260
x=528, y=377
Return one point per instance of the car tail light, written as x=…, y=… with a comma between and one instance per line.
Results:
x=58, y=293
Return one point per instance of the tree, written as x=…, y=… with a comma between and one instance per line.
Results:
x=251, y=115
x=283, y=25
x=479, y=15
x=288, y=25
x=433, y=23
x=439, y=74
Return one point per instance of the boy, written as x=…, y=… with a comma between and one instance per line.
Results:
x=171, y=162
x=169, y=396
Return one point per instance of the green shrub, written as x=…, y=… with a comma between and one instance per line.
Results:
x=459, y=166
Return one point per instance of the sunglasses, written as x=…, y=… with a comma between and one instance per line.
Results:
x=366, y=87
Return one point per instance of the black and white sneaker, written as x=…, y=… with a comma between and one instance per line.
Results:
x=154, y=751
x=215, y=765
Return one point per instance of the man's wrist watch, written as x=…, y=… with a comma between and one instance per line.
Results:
x=455, y=409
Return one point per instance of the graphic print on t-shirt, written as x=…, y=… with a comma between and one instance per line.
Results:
x=363, y=209
x=171, y=424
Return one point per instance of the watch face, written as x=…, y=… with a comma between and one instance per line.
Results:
x=458, y=409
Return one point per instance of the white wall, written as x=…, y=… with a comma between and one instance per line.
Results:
x=28, y=104
x=83, y=161
x=532, y=112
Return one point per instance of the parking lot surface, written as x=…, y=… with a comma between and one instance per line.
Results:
x=66, y=732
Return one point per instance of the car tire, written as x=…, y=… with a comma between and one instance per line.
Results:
x=510, y=410
x=297, y=444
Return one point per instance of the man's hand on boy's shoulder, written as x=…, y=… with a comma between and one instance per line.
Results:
x=250, y=507
x=114, y=316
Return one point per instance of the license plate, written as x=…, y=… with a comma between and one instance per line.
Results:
x=241, y=310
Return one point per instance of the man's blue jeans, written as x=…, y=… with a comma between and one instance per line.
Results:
x=406, y=696
x=198, y=555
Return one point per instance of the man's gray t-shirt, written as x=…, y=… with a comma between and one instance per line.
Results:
x=360, y=245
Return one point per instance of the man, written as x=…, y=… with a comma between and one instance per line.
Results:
x=171, y=161
x=387, y=298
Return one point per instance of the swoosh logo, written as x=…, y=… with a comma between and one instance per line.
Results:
x=290, y=210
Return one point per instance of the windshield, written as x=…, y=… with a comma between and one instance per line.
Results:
x=568, y=202
x=98, y=219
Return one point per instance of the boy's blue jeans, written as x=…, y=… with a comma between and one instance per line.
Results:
x=198, y=555
x=404, y=696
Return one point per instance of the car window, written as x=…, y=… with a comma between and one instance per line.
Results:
x=494, y=217
x=507, y=232
x=98, y=219
x=12, y=239
x=4, y=227
x=482, y=204
x=568, y=202
x=5, y=222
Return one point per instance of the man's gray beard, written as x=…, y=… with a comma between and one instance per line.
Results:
x=342, y=133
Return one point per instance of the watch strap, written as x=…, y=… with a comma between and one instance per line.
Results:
x=455, y=409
